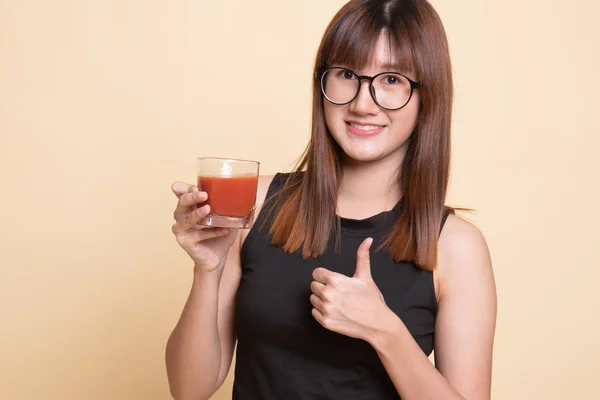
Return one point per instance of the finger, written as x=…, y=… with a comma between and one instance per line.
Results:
x=191, y=238
x=363, y=263
x=192, y=198
x=316, y=302
x=189, y=202
x=318, y=316
x=326, y=276
x=180, y=188
x=317, y=289
x=191, y=219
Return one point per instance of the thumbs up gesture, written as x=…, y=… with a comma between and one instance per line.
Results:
x=352, y=306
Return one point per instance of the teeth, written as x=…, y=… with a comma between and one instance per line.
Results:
x=365, y=127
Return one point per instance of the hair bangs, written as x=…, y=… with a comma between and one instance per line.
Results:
x=353, y=42
x=401, y=52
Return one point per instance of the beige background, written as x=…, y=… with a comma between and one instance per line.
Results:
x=104, y=103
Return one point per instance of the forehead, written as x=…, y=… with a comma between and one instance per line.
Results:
x=381, y=53
x=383, y=56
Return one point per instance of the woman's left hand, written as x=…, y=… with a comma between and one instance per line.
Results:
x=352, y=306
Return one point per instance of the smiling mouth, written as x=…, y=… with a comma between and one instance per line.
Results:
x=364, y=129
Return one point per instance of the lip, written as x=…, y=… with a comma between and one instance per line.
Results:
x=361, y=132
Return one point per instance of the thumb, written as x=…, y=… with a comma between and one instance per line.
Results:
x=363, y=262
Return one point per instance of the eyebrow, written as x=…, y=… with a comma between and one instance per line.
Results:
x=388, y=65
x=393, y=67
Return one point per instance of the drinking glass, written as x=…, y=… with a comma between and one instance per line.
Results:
x=231, y=185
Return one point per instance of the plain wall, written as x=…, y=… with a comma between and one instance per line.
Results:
x=104, y=103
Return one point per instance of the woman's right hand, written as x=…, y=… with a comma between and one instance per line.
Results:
x=208, y=247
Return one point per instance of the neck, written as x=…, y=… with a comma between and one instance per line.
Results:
x=369, y=188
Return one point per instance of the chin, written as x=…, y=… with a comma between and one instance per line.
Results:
x=362, y=155
x=370, y=152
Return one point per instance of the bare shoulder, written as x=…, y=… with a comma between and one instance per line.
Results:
x=461, y=238
x=463, y=257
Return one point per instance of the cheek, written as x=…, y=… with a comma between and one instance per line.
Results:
x=332, y=117
x=404, y=121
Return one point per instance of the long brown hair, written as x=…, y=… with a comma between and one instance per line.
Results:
x=305, y=217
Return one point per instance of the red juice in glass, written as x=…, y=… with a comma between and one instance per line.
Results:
x=233, y=196
x=231, y=187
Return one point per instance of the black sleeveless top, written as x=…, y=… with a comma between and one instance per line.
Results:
x=283, y=353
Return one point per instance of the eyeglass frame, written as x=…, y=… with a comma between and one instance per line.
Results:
x=321, y=73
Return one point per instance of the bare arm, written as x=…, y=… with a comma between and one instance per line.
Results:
x=466, y=320
x=464, y=329
x=200, y=349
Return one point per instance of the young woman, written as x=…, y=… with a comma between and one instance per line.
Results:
x=355, y=271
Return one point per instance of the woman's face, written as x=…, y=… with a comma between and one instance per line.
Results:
x=367, y=132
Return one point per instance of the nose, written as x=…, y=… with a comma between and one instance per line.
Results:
x=364, y=103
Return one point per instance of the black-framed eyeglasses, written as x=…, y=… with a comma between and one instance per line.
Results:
x=390, y=90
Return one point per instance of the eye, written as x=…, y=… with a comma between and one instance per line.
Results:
x=346, y=74
x=391, y=79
